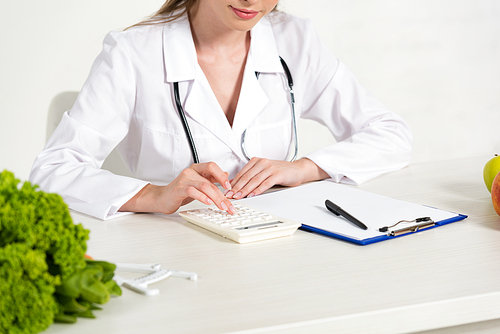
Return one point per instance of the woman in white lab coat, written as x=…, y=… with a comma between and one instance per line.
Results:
x=224, y=56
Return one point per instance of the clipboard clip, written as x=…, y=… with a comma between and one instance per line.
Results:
x=426, y=222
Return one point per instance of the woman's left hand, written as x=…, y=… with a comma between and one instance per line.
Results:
x=260, y=174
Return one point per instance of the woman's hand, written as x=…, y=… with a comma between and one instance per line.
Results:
x=193, y=183
x=261, y=174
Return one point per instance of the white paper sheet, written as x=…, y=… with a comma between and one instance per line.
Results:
x=306, y=204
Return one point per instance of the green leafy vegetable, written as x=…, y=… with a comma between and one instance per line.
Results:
x=93, y=285
x=44, y=275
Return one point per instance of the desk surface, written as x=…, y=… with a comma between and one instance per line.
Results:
x=310, y=283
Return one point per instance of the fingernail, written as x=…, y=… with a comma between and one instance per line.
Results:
x=238, y=195
x=227, y=185
x=251, y=195
x=223, y=206
x=225, y=192
x=232, y=210
x=229, y=194
x=209, y=201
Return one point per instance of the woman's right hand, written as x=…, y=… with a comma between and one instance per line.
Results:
x=194, y=183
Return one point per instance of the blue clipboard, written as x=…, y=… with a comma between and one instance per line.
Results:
x=305, y=204
x=372, y=240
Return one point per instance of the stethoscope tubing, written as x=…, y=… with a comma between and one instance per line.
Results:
x=185, y=123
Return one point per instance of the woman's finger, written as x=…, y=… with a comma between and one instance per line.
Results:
x=243, y=171
x=212, y=172
x=258, y=185
x=207, y=195
x=261, y=174
x=214, y=196
x=251, y=177
x=252, y=168
x=191, y=184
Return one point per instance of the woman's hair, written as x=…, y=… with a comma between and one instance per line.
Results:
x=171, y=11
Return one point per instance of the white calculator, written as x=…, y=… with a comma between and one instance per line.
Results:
x=246, y=225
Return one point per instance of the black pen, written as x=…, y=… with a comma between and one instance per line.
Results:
x=341, y=212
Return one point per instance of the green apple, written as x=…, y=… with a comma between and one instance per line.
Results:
x=491, y=169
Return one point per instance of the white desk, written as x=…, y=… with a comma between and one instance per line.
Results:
x=309, y=283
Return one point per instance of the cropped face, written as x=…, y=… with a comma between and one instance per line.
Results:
x=237, y=15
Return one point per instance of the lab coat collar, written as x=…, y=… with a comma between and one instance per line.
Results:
x=180, y=57
x=262, y=57
x=179, y=52
x=181, y=64
x=263, y=48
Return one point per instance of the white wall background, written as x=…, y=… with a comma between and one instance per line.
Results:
x=435, y=62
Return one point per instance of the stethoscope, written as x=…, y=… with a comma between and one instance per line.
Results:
x=243, y=148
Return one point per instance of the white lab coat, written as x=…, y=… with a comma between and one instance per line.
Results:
x=128, y=101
